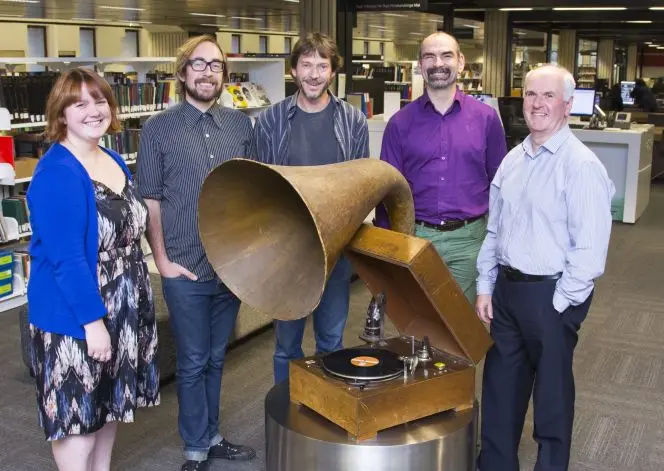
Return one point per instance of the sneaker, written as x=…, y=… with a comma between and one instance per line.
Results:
x=191, y=465
x=227, y=451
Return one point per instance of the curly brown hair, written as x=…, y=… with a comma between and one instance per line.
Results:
x=320, y=43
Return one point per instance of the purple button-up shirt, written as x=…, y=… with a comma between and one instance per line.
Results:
x=449, y=160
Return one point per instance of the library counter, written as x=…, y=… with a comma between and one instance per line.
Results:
x=626, y=154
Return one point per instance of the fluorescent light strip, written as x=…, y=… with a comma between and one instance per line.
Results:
x=21, y=1
x=246, y=18
x=397, y=15
x=472, y=26
x=515, y=9
x=656, y=8
x=111, y=7
x=589, y=8
x=292, y=1
x=208, y=14
x=639, y=21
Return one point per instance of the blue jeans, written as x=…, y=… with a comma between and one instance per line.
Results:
x=202, y=316
x=329, y=322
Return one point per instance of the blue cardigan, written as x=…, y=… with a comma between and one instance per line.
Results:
x=63, y=290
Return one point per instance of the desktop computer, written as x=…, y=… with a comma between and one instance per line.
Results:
x=583, y=106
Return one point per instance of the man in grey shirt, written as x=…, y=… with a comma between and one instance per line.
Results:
x=178, y=149
x=313, y=127
x=548, y=236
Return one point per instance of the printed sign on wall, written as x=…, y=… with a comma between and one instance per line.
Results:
x=386, y=5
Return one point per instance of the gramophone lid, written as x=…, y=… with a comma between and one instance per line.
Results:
x=422, y=297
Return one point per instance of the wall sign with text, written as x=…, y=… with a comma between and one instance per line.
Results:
x=386, y=5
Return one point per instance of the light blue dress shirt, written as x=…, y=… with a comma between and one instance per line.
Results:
x=549, y=212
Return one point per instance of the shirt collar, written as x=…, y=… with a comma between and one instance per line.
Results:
x=192, y=115
x=459, y=97
x=292, y=103
x=551, y=145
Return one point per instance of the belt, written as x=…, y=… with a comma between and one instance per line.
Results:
x=450, y=225
x=512, y=274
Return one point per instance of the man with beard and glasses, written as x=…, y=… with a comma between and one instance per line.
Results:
x=448, y=146
x=313, y=127
x=179, y=147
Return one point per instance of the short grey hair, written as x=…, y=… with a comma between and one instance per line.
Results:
x=569, y=84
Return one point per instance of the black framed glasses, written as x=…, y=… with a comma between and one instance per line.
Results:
x=199, y=65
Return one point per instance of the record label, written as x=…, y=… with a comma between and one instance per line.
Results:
x=364, y=361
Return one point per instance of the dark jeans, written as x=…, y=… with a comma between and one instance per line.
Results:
x=533, y=346
x=202, y=316
x=329, y=322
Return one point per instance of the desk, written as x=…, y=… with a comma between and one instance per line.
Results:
x=626, y=154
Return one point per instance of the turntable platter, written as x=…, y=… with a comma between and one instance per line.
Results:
x=363, y=364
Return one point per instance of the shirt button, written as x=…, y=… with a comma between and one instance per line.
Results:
x=207, y=135
x=443, y=158
x=442, y=179
x=211, y=156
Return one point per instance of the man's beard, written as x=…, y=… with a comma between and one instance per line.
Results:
x=203, y=96
x=315, y=96
x=446, y=77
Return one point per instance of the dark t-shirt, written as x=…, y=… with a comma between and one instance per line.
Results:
x=312, y=140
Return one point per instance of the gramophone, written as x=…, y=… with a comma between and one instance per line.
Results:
x=274, y=233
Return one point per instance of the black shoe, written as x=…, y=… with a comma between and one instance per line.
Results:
x=227, y=451
x=191, y=465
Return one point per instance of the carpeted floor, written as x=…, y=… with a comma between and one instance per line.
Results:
x=619, y=368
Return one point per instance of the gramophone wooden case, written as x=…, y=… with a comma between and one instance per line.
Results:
x=422, y=300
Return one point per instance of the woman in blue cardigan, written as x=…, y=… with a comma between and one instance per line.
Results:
x=92, y=323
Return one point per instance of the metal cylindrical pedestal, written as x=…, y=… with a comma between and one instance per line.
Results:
x=298, y=439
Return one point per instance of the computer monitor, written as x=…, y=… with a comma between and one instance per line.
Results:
x=584, y=102
x=625, y=90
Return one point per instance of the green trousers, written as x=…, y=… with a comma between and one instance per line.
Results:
x=459, y=250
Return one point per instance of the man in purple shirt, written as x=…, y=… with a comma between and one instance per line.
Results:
x=448, y=146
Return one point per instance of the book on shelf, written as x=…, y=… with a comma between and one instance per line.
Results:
x=125, y=142
x=246, y=95
x=16, y=207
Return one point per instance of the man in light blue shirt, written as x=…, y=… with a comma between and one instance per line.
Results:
x=548, y=235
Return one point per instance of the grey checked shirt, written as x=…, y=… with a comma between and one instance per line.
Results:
x=178, y=148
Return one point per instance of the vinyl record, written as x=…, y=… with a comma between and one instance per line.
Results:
x=363, y=364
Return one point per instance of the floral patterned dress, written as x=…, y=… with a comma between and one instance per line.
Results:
x=75, y=393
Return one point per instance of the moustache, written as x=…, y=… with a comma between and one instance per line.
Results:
x=211, y=82
x=439, y=70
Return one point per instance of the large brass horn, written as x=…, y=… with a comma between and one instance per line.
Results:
x=274, y=233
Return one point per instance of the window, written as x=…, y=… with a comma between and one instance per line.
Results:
x=130, y=43
x=288, y=45
x=235, y=43
x=262, y=44
x=86, y=42
x=36, y=46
